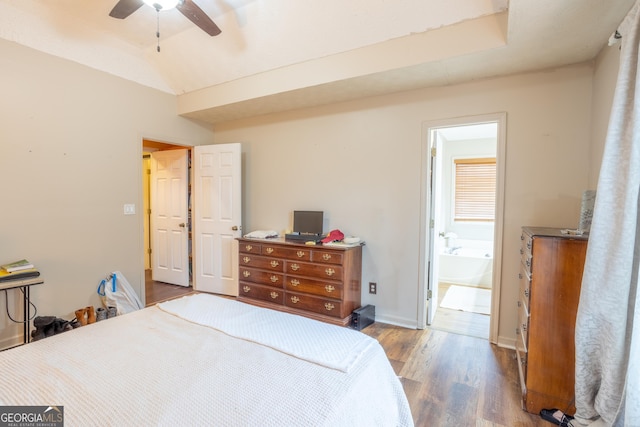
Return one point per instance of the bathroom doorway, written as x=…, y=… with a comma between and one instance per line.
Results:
x=463, y=206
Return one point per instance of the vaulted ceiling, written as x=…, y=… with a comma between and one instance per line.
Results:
x=276, y=55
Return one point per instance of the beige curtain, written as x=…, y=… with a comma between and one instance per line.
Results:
x=608, y=322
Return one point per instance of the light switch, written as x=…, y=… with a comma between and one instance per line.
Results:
x=129, y=209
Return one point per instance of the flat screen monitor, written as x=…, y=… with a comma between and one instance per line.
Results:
x=307, y=222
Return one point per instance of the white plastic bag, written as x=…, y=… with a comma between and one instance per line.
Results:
x=116, y=291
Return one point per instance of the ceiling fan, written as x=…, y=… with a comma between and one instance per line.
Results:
x=188, y=8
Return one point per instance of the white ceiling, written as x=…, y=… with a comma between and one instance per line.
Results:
x=275, y=55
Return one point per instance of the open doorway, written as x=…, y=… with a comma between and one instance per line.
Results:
x=155, y=291
x=210, y=216
x=463, y=203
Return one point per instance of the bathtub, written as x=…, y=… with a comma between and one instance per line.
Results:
x=467, y=262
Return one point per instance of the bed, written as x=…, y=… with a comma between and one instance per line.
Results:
x=207, y=360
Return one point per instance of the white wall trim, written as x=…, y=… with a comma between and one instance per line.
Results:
x=397, y=321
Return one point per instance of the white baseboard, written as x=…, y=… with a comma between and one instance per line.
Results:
x=397, y=321
x=10, y=342
x=506, y=342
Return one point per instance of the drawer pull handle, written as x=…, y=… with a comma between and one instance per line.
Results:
x=269, y=250
x=300, y=254
x=528, y=263
x=329, y=288
x=524, y=327
x=526, y=293
x=529, y=245
x=329, y=306
x=295, y=267
x=248, y=248
x=273, y=279
x=519, y=304
x=295, y=299
x=246, y=273
x=521, y=251
x=246, y=289
x=520, y=276
x=295, y=282
x=330, y=272
x=517, y=331
x=246, y=260
x=274, y=295
x=326, y=257
x=274, y=264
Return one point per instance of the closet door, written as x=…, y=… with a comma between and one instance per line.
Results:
x=169, y=231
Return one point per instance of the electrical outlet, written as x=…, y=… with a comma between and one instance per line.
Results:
x=373, y=287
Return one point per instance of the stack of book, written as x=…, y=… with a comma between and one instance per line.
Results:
x=19, y=273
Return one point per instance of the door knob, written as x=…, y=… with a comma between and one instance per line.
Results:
x=182, y=224
x=234, y=228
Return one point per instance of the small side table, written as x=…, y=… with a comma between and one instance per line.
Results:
x=25, y=286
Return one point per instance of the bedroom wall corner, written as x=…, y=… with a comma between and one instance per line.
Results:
x=71, y=149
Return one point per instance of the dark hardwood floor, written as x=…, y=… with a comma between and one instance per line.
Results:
x=455, y=380
x=156, y=292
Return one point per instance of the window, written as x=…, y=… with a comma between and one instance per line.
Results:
x=475, y=189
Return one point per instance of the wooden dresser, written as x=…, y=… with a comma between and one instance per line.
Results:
x=550, y=279
x=319, y=282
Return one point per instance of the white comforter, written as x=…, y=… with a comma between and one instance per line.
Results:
x=182, y=365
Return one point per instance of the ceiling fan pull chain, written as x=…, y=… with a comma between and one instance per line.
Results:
x=158, y=28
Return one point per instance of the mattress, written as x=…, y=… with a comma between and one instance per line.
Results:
x=206, y=360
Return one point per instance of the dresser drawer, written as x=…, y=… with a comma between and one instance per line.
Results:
x=326, y=257
x=332, y=272
x=523, y=326
x=288, y=253
x=262, y=277
x=526, y=245
x=526, y=251
x=265, y=293
x=319, y=282
x=315, y=287
x=265, y=263
x=525, y=288
x=522, y=371
x=250, y=248
x=317, y=305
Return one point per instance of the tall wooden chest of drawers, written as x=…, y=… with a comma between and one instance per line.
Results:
x=550, y=279
x=319, y=282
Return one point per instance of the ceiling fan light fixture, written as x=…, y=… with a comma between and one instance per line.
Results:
x=162, y=4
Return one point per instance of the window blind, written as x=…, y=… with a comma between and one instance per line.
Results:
x=475, y=189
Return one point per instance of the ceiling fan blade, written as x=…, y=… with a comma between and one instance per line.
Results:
x=198, y=17
x=125, y=8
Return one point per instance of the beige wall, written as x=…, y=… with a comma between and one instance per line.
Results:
x=360, y=163
x=70, y=158
x=71, y=148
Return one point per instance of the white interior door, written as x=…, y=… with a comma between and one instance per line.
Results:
x=434, y=229
x=217, y=216
x=169, y=220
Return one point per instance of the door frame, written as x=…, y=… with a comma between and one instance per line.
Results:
x=426, y=246
x=150, y=145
